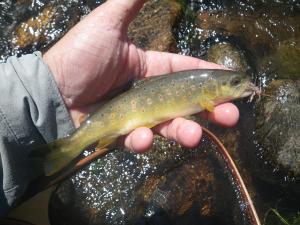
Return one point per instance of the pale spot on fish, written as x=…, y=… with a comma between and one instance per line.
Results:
x=160, y=97
x=100, y=124
x=130, y=124
x=149, y=101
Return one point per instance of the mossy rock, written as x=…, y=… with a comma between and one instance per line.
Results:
x=276, y=153
x=284, y=62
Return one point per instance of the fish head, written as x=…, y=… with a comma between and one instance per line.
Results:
x=230, y=85
x=236, y=85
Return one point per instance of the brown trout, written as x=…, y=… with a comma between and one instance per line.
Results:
x=150, y=102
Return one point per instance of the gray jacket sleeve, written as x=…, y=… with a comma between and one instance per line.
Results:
x=32, y=112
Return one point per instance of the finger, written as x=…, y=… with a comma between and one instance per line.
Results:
x=185, y=132
x=139, y=140
x=226, y=115
x=161, y=63
x=118, y=14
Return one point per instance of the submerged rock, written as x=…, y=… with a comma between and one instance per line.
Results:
x=227, y=55
x=258, y=32
x=284, y=62
x=33, y=30
x=281, y=8
x=276, y=155
x=46, y=27
x=29, y=26
x=167, y=185
x=105, y=192
x=153, y=28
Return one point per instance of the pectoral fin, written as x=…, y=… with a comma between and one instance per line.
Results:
x=82, y=118
x=207, y=104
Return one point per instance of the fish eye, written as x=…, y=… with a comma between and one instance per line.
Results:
x=235, y=81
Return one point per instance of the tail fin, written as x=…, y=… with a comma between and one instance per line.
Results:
x=58, y=154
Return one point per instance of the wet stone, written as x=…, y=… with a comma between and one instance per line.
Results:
x=259, y=33
x=227, y=55
x=32, y=31
x=153, y=27
x=282, y=8
x=35, y=26
x=284, y=62
x=49, y=25
x=276, y=152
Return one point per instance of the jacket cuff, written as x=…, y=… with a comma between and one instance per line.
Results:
x=32, y=111
x=45, y=104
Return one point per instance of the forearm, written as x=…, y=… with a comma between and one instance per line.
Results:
x=31, y=112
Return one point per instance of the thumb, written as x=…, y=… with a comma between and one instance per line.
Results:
x=118, y=14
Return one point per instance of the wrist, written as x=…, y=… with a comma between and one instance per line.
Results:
x=54, y=64
x=54, y=67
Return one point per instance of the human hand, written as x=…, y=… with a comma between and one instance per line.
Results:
x=95, y=57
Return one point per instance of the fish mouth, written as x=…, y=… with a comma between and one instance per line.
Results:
x=251, y=90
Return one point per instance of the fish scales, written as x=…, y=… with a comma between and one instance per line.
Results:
x=154, y=100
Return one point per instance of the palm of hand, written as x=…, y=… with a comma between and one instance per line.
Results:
x=99, y=58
